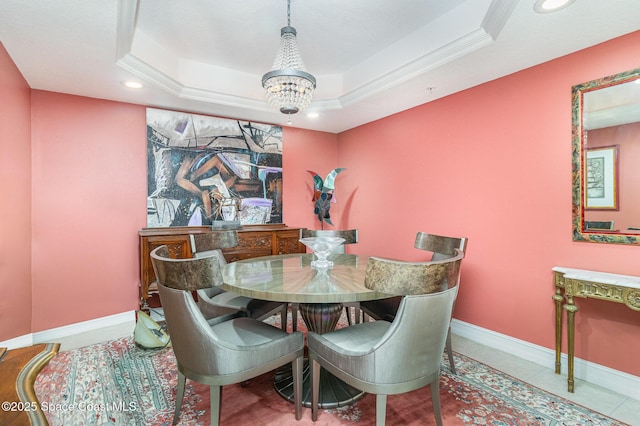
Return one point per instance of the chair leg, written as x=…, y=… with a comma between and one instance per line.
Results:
x=435, y=400
x=296, y=366
x=381, y=409
x=283, y=318
x=356, y=314
x=179, y=395
x=216, y=398
x=315, y=388
x=452, y=364
x=294, y=316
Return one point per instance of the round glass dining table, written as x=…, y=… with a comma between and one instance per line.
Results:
x=319, y=293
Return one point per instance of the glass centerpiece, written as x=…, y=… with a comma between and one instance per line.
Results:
x=322, y=247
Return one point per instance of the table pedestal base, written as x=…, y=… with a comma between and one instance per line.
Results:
x=320, y=318
x=333, y=391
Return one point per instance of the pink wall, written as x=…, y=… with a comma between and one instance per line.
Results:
x=493, y=163
x=15, y=193
x=89, y=180
x=626, y=137
x=89, y=176
x=304, y=150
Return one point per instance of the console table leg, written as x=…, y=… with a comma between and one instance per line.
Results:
x=571, y=311
x=558, y=298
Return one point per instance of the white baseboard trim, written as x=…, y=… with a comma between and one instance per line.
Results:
x=51, y=335
x=617, y=381
x=18, y=342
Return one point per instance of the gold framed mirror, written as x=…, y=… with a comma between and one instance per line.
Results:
x=605, y=157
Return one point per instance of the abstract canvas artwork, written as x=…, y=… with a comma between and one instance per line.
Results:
x=202, y=169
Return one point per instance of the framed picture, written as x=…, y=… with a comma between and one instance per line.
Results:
x=602, y=178
x=204, y=170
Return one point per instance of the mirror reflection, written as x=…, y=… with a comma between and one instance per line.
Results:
x=606, y=157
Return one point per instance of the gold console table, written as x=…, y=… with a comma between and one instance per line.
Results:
x=570, y=283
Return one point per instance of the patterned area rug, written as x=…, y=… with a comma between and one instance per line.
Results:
x=117, y=383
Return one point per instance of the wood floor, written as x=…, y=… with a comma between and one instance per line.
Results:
x=18, y=371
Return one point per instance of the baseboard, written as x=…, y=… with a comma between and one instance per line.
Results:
x=18, y=342
x=617, y=381
x=52, y=335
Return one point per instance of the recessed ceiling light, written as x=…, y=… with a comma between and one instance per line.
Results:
x=547, y=6
x=313, y=115
x=132, y=84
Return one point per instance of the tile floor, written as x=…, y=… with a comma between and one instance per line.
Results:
x=599, y=399
x=612, y=404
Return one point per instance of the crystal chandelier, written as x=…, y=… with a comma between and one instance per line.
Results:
x=289, y=87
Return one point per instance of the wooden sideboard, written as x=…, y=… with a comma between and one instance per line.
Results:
x=253, y=241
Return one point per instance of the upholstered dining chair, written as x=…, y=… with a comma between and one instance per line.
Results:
x=386, y=358
x=441, y=248
x=350, y=237
x=223, y=350
x=214, y=301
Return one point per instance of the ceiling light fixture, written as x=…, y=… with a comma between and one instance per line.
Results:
x=288, y=86
x=547, y=6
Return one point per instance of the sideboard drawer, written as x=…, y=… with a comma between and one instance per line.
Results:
x=255, y=241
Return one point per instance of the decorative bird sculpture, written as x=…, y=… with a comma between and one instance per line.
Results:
x=323, y=194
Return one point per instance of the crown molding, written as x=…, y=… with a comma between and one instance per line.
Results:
x=496, y=16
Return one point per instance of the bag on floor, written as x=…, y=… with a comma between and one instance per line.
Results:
x=148, y=334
